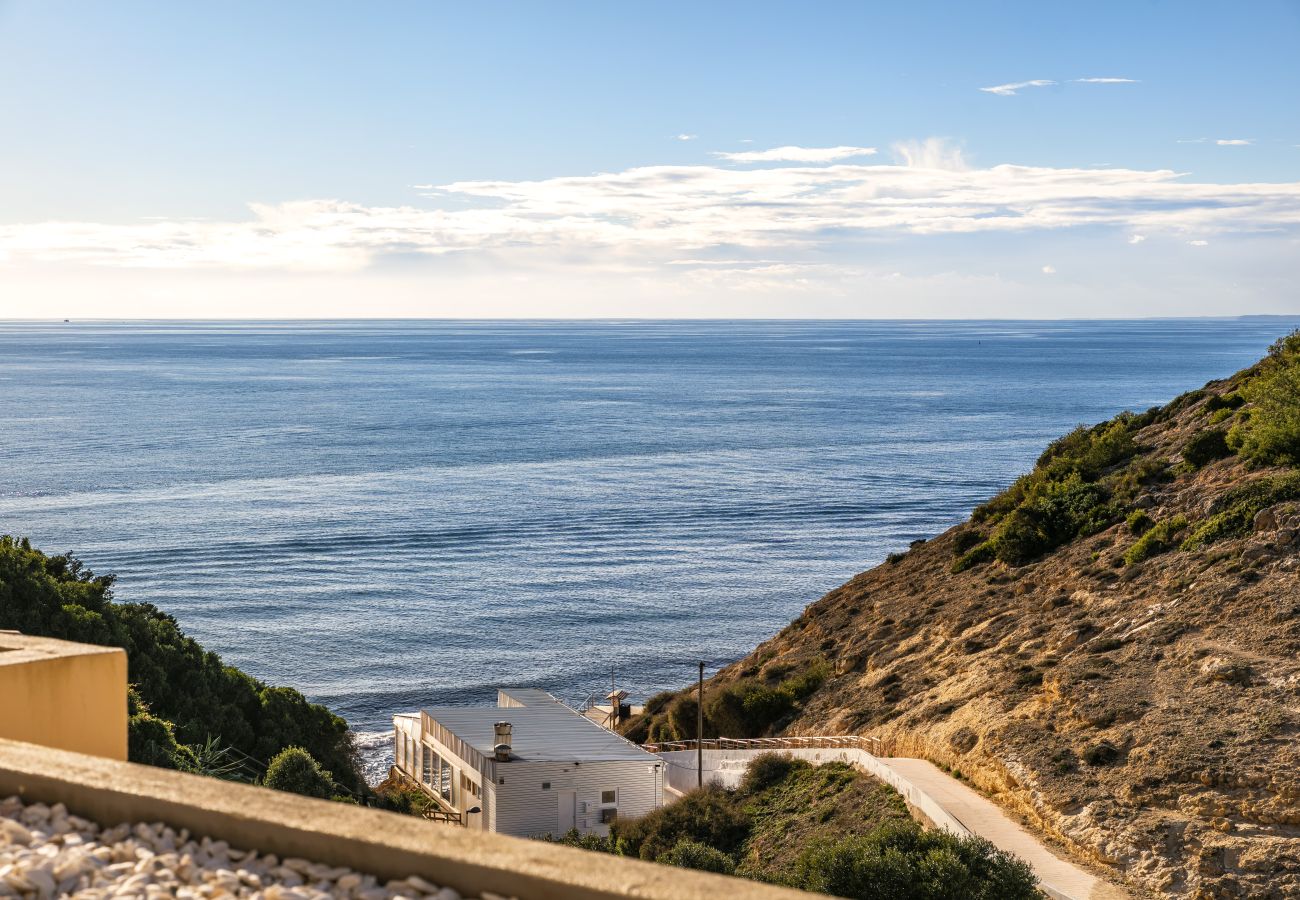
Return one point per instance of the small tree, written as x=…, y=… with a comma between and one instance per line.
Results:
x=296, y=771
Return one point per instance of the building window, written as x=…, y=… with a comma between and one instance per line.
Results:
x=426, y=773
x=546, y=785
x=609, y=796
x=608, y=814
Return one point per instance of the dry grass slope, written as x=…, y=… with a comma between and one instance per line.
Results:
x=1141, y=706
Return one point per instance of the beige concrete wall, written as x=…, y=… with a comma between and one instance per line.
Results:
x=62, y=694
x=380, y=843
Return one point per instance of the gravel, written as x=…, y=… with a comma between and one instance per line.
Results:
x=47, y=852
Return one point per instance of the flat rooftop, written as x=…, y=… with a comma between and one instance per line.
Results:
x=548, y=731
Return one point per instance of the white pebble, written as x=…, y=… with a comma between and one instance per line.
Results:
x=46, y=851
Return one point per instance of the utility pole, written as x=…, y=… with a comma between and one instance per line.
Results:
x=699, y=732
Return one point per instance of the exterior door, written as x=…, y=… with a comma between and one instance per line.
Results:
x=568, y=810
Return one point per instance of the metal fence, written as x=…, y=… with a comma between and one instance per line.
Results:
x=873, y=745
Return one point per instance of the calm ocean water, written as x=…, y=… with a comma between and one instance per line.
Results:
x=391, y=514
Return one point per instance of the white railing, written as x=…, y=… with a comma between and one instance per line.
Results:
x=873, y=745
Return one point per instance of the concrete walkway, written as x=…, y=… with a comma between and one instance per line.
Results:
x=1060, y=877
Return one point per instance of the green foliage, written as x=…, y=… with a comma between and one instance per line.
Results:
x=1065, y=496
x=182, y=684
x=1270, y=433
x=1055, y=512
x=575, y=838
x=689, y=854
x=152, y=741
x=1216, y=403
x=294, y=770
x=1139, y=522
x=766, y=770
x=707, y=816
x=1158, y=539
x=1235, y=512
x=1207, y=446
x=966, y=540
x=981, y=553
x=903, y=862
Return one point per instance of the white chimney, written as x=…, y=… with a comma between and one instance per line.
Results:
x=502, y=748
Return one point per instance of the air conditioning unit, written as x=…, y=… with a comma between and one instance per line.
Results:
x=583, y=806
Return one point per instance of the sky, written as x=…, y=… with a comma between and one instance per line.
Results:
x=786, y=160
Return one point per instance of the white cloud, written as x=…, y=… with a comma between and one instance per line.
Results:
x=1199, y=243
x=1137, y=238
x=1104, y=80
x=798, y=154
x=1191, y=140
x=1234, y=142
x=687, y=137
x=1009, y=90
x=931, y=153
x=1049, y=270
x=642, y=218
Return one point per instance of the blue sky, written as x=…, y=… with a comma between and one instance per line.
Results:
x=589, y=159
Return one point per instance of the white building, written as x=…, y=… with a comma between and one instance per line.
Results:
x=528, y=766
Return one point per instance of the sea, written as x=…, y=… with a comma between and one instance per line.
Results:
x=395, y=514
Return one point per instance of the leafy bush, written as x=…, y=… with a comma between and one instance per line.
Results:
x=1158, y=539
x=181, y=683
x=1058, y=512
x=903, y=862
x=765, y=770
x=690, y=854
x=1219, y=402
x=981, y=553
x=1207, y=446
x=707, y=816
x=1237, y=509
x=1139, y=522
x=1271, y=431
x=294, y=770
x=575, y=838
x=966, y=540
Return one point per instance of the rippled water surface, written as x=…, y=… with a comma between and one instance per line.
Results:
x=390, y=514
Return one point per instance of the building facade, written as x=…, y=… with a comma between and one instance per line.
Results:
x=554, y=770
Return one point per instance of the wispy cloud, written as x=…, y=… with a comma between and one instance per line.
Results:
x=1191, y=140
x=1234, y=142
x=1104, y=80
x=1199, y=243
x=1008, y=90
x=1049, y=270
x=687, y=137
x=649, y=216
x=1137, y=238
x=797, y=154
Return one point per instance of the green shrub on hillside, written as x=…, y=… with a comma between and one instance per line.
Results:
x=1235, y=512
x=294, y=770
x=1139, y=522
x=707, y=816
x=1270, y=433
x=1158, y=539
x=689, y=854
x=181, y=683
x=1056, y=512
x=1207, y=446
x=1066, y=495
x=903, y=862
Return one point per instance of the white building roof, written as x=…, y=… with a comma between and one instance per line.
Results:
x=524, y=697
x=548, y=731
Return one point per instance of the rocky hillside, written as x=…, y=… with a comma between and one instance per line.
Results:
x=1110, y=648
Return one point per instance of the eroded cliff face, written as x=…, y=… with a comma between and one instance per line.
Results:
x=1144, y=711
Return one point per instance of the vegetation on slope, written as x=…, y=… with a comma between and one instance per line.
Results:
x=1111, y=647
x=187, y=709
x=825, y=828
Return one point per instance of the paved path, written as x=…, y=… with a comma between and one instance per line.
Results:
x=981, y=816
